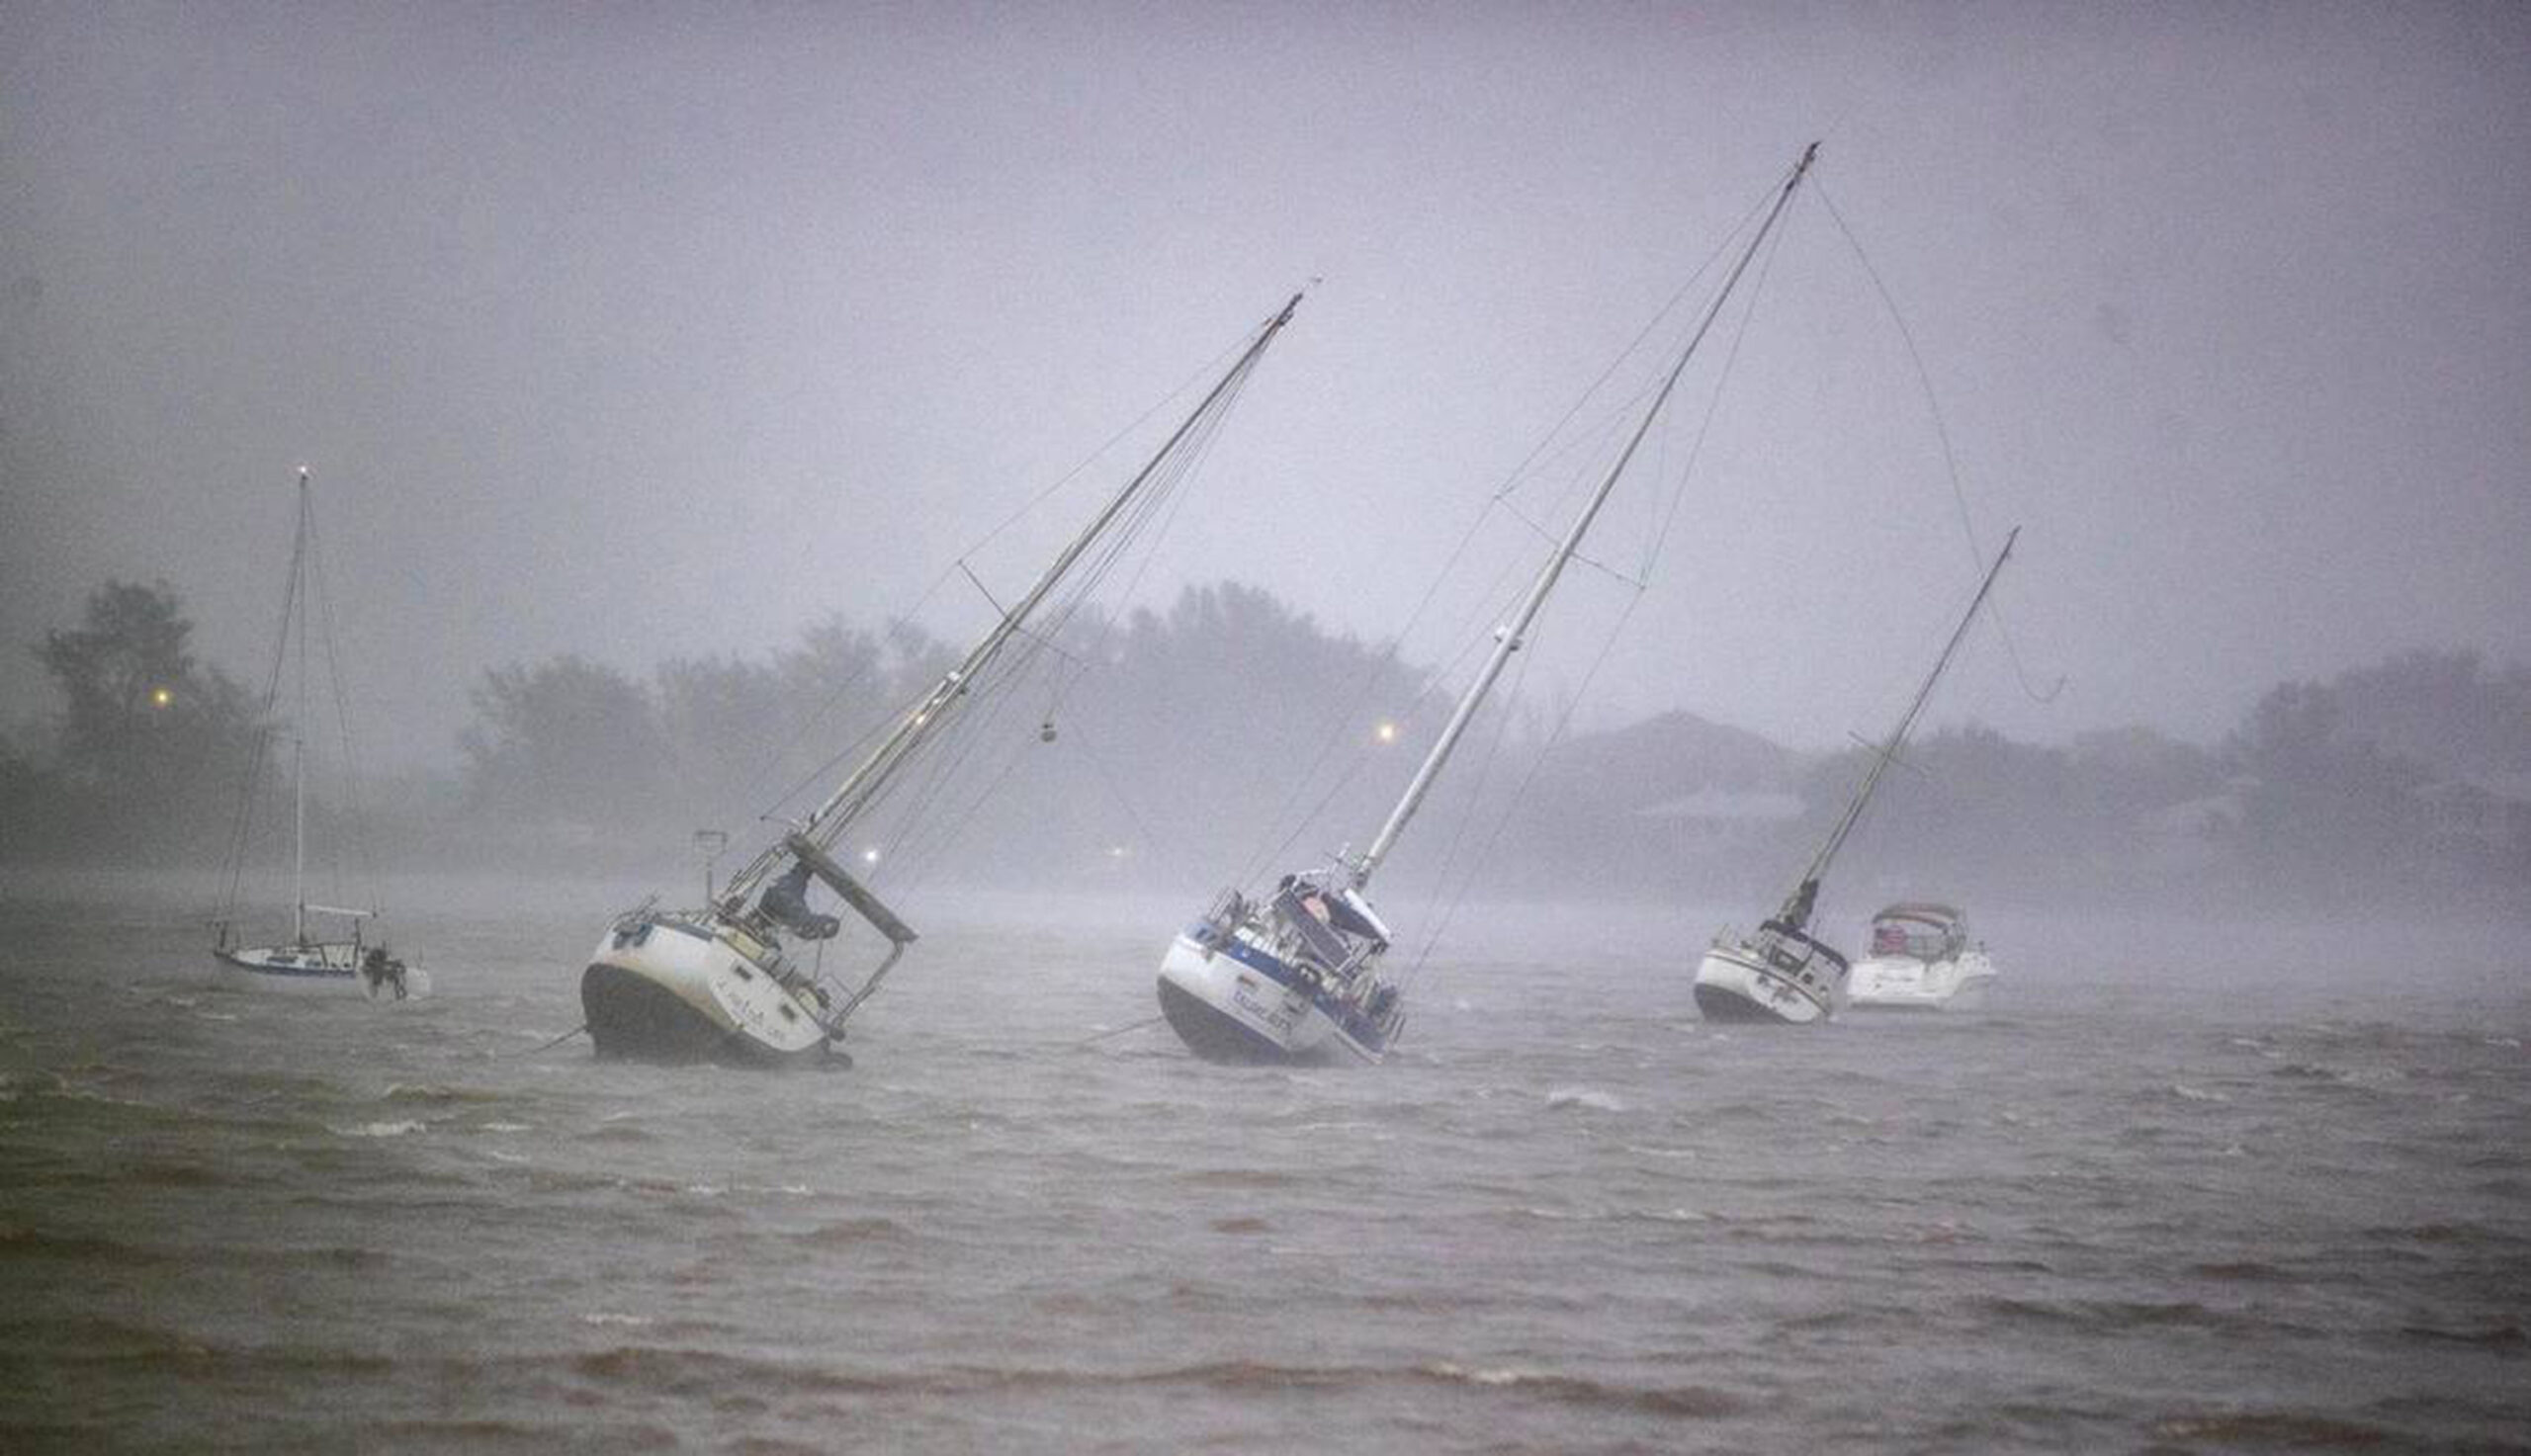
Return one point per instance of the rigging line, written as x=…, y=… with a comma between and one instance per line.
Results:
x=1163, y=496
x=1118, y=1031
x=1164, y=504
x=1182, y=863
x=1063, y=683
x=925, y=856
x=1520, y=792
x=983, y=591
x=550, y=1046
x=818, y=715
x=1158, y=515
x=1202, y=372
x=1942, y=432
x=267, y=729
x=1487, y=607
x=1577, y=447
x=355, y=825
x=1353, y=705
x=959, y=743
x=1713, y=403
x=1512, y=480
x=917, y=787
x=320, y=603
x=1347, y=710
x=1499, y=496
x=1476, y=792
x=1171, y=503
x=958, y=565
x=1585, y=558
x=857, y=793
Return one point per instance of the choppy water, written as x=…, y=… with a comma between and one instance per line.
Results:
x=2131, y=1209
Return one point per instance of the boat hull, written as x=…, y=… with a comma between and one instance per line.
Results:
x=1236, y=1003
x=1735, y=983
x=326, y=968
x=1905, y=983
x=664, y=989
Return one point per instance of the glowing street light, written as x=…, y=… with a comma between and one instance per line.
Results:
x=161, y=697
x=1386, y=733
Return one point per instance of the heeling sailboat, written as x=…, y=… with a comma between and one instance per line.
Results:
x=714, y=983
x=1783, y=973
x=1296, y=975
x=306, y=958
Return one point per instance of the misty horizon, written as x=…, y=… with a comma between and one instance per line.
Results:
x=2228, y=326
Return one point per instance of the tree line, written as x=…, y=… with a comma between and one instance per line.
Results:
x=1229, y=734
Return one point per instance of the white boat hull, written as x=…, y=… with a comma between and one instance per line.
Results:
x=327, y=968
x=672, y=988
x=1736, y=982
x=1231, y=1001
x=1905, y=983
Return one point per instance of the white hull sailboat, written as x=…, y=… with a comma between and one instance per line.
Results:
x=1921, y=961
x=309, y=959
x=1296, y=974
x=1782, y=974
x=717, y=983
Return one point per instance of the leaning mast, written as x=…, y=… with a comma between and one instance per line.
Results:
x=1797, y=907
x=824, y=826
x=1508, y=640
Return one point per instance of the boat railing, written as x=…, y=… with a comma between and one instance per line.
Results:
x=869, y=906
x=1792, y=950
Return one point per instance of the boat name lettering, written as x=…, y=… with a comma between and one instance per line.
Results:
x=1272, y=1016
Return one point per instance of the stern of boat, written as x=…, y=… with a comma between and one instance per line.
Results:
x=1769, y=979
x=1231, y=1002
x=666, y=988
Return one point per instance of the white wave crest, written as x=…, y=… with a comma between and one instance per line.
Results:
x=1590, y=1098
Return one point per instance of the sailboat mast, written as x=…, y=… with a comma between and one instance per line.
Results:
x=1887, y=751
x=298, y=732
x=925, y=718
x=1510, y=639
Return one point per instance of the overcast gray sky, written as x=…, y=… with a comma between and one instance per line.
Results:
x=652, y=331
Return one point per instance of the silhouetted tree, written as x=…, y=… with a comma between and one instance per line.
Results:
x=149, y=742
x=2322, y=809
x=566, y=740
x=2445, y=711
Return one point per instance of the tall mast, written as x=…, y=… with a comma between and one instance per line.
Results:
x=925, y=718
x=1797, y=911
x=298, y=732
x=1509, y=640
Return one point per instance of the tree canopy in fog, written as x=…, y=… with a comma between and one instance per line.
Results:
x=1230, y=732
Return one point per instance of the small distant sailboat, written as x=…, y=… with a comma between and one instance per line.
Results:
x=713, y=984
x=1921, y=959
x=1294, y=975
x=348, y=957
x=1783, y=973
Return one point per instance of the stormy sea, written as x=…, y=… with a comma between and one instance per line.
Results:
x=2181, y=1188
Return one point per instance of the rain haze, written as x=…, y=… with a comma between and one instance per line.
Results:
x=2223, y=305
x=688, y=398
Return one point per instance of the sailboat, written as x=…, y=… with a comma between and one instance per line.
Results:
x=1296, y=975
x=1783, y=973
x=311, y=957
x=717, y=983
